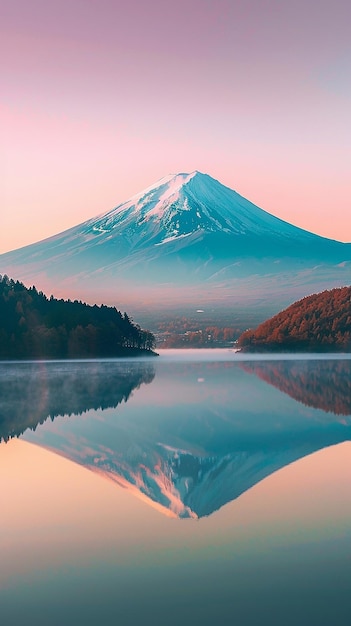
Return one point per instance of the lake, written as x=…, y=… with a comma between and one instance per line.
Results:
x=203, y=487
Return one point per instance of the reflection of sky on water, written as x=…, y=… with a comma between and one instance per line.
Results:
x=75, y=547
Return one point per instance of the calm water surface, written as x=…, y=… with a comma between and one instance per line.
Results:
x=197, y=487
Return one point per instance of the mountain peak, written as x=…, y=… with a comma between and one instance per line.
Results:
x=185, y=230
x=185, y=204
x=171, y=181
x=162, y=203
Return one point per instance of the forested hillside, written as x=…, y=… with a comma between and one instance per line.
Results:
x=34, y=326
x=321, y=322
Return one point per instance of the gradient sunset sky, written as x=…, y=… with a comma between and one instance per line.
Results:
x=101, y=98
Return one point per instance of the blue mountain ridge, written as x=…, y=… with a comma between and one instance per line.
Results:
x=187, y=240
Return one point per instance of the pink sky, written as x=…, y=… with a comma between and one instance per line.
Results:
x=102, y=98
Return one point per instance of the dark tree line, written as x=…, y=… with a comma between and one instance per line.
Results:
x=320, y=322
x=34, y=326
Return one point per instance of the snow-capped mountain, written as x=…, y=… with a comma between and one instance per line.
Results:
x=185, y=205
x=187, y=239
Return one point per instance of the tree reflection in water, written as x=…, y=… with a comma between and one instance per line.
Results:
x=32, y=392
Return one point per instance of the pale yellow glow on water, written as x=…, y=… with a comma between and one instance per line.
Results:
x=55, y=511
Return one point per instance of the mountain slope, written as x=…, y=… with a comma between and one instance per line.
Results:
x=185, y=238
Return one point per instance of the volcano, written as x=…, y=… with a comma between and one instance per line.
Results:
x=187, y=241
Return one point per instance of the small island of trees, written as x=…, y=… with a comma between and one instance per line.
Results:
x=33, y=326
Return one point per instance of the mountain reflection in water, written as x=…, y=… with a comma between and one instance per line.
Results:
x=196, y=438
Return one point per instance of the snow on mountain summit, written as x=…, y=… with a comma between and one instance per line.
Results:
x=187, y=231
x=183, y=204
